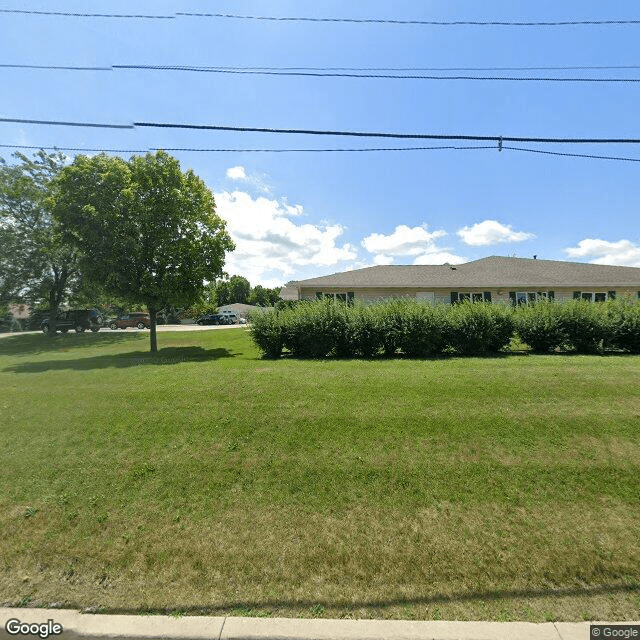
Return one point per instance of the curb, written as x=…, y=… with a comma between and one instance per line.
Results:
x=108, y=627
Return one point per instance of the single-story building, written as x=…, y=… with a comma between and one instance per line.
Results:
x=492, y=279
x=241, y=309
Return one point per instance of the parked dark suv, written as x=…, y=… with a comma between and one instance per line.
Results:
x=78, y=319
x=140, y=320
x=210, y=318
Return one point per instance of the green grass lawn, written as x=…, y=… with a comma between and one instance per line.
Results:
x=204, y=479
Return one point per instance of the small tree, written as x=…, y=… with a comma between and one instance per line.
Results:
x=145, y=230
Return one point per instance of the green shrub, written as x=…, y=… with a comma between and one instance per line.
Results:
x=423, y=330
x=389, y=321
x=479, y=328
x=540, y=325
x=338, y=323
x=365, y=333
x=588, y=326
x=625, y=325
x=308, y=332
x=267, y=332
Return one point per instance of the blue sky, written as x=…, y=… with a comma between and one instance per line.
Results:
x=300, y=215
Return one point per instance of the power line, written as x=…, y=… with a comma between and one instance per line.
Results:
x=358, y=73
x=547, y=68
x=53, y=67
x=217, y=150
x=363, y=134
x=87, y=15
x=340, y=74
x=82, y=149
x=354, y=69
x=336, y=150
x=435, y=23
x=69, y=124
x=573, y=155
x=323, y=132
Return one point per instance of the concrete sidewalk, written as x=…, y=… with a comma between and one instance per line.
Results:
x=99, y=627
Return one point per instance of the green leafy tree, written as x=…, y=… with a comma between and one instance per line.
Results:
x=145, y=230
x=259, y=296
x=37, y=266
x=239, y=289
x=222, y=293
x=263, y=296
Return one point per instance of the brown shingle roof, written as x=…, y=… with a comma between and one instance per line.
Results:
x=491, y=272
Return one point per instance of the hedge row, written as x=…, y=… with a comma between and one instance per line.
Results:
x=317, y=329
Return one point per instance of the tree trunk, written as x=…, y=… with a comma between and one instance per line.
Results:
x=53, y=312
x=152, y=333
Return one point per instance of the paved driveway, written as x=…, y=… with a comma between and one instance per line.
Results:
x=159, y=328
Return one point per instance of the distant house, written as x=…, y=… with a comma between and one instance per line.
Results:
x=493, y=279
x=240, y=309
x=20, y=311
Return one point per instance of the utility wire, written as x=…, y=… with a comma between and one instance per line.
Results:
x=87, y=15
x=69, y=124
x=352, y=69
x=340, y=74
x=54, y=67
x=203, y=150
x=547, y=68
x=419, y=136
x=435, y=23
x=313, y=73
x=572, y=155
x=322, y=132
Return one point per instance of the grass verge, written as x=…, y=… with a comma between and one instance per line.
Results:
x=203, y=479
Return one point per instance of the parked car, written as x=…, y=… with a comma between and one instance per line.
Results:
x=242, y=320
x=78, y=319
x=229, y=317
x=210, y=318
x=139, y=320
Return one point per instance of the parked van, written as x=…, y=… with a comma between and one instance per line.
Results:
x=229, y=317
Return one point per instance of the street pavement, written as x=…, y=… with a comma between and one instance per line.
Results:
x=61, y=623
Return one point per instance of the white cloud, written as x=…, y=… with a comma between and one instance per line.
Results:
x=382, y=258
x=439, y=257
x=404, y=241
x=270, y=247
x=236, y=173
x=621, y=253
x=491, y=232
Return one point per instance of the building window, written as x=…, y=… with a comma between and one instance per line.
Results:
x=528, y=297
x=594, y=296
x=339, y=297
x=457, y=296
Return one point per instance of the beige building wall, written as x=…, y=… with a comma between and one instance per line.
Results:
x=444, y=295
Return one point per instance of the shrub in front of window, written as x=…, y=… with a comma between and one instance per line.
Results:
x=389, y=319
x=424, y=330
x=366, y=331
x=540, y=326
x=308, y=332
x=477, y=329
x=339, y=326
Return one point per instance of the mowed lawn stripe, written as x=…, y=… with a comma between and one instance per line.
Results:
x=206, y=475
